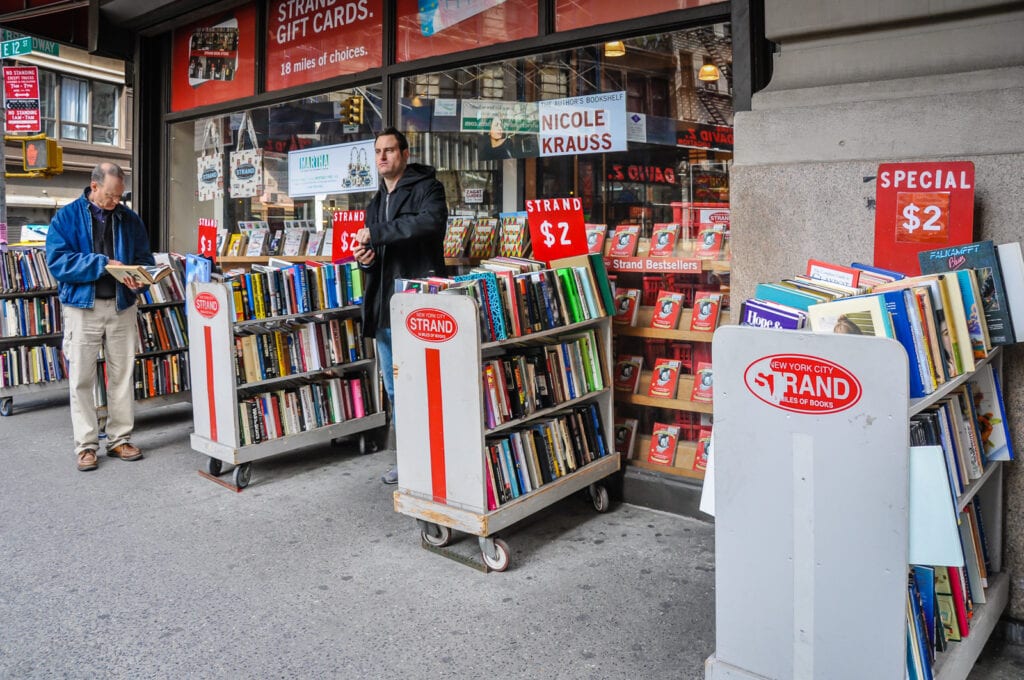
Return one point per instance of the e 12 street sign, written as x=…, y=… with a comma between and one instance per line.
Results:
x=15, y=48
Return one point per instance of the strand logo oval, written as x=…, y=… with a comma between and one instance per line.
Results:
x=802, y=384
x=432, y=325
x=206, y=304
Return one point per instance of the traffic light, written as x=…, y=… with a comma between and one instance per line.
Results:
x=352, y=110
x=42, y=155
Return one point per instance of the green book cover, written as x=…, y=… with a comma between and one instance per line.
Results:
x=601, y=276
x=572, y=294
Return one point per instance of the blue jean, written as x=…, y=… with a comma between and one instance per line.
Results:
x=385, y=363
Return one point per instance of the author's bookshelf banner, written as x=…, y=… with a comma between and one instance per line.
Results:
x=921, y=206
x=594, y=123
x=556, y=228
x=337, y=169
x=312, y=41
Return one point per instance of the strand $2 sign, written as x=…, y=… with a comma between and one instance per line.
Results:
x=556, y=228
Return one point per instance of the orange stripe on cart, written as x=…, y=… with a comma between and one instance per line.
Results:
x=208, y=342
x=435, y=414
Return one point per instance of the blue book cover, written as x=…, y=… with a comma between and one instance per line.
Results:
x=924, y=577
x=896, y=304
x=757, y=313
x=895, y=276
x=786, y=296
x=595, y=420
x=494, y=305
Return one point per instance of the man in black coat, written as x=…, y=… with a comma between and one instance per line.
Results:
x=403, y=238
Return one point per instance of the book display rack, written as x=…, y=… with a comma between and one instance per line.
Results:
x=31, y=361
x=487, y=466
x=834, y=506
x=641, y=278
x=297, y=373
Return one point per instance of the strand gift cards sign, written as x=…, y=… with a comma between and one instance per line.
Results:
x=594, y=123
x=921, y=206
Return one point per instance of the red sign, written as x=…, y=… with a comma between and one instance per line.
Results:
x=214, y=60
x=432, y=325
x=313, y=41
x=652, y=174
x=207, y=243
x=802, y=384
x=206, y=304
x=345, y=224
x=21, y=99
x=921, y=206
x=698, y=136
x=556, y=228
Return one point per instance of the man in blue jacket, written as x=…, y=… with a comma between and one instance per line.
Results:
x=403, y=239
x=98, y=312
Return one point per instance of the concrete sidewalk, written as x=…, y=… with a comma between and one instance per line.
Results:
x=147, y=570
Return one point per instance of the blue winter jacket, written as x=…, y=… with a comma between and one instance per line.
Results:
x=71, y=259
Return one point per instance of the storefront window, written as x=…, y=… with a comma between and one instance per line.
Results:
x=256, y=147
x=570, y=14
x=429, y=29
x=495, y=136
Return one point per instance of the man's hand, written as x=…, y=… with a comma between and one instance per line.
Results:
x=130, y=281
x=363, y=236
x=364, y=255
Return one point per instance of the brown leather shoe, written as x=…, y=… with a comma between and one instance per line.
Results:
x=125, y=452
x=87, y=460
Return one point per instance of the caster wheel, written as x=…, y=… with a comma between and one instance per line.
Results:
x=364, y=445
x=436, y=535
x=599, y=497
x=243, y=473
x=214, y=466
x=501, y=558
x=6, y=406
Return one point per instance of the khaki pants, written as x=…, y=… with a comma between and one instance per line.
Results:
x=85, y=332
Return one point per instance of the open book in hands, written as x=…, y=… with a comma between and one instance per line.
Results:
x=141, y=274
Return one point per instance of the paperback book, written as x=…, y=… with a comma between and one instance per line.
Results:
x=665, y=378
x=456, y=236
x=625, y=435
x=700, y=459
x=595, y=237
x=664, y=438
x=627, y=306
x=663, y=240
x=627, y=373
x=625, y=240
x=706, y=308
x=703, y=383
x=667, y=310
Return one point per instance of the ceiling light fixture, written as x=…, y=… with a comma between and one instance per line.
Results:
x=615, y=48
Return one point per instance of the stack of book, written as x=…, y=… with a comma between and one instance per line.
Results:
x=296, y=348
x=281, y=288
x=155, y=376
x=27, y=365
x=25, y=271
x=26, y=317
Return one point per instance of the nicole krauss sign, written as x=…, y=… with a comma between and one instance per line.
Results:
x=311, y=40
x=337, y=169
x=594, y=123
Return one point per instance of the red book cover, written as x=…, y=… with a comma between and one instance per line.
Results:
x=663, y=444
x=595, y=237
x=625, y=435
x=667, y=309
x=706, y=307
x=702, y=383
x=709, y=244
x=624, y=240
x=663, y=240
x=700, y=460
x=665, y=378
x=627, y=306
x=833, y=273
x=627, y=373
x=959, y=601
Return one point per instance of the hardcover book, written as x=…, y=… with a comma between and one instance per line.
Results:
x=667, y=309
x=627, y=373
x=235, y=244
x=980, y=256
x=865, y=315
x=138, y=273
x=663, y=240
x=703, y=383
x=996, y=441
x=833, y=273
x=595, y=237
x=665, y=378
x=700, y=459
x=456, y=237
x=709, y=244
x=515, y=236
x=313, y=243
x=767, y=314
x=627, y=306
x=484, y=241
x=257, y=245
x=664, y=438
x=1011, y=263
x=294, y=241
x=706, y=307
x=624, y=240
x=625, y=435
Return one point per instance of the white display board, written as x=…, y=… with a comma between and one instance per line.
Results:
x=211, y=315
x=437, y=354
x=811, y=506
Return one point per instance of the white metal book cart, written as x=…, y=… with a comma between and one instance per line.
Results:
x=216, y=393
x=441, y=424
x=813, y=531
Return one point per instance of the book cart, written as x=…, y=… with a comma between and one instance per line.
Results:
x=31, y=318
x=443, y=482
x=217, y=391
x=812, y=510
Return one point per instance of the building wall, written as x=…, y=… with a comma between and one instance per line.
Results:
x=858, y=84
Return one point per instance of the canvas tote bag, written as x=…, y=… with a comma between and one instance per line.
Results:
x=210, y=165
x=246, y=163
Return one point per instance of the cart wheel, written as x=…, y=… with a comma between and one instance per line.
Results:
x=599, y=496
x=364, y=447
x=436, y=535
x=6, y=406
x=243, y=473
x=499, y=561
x=214, y=466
